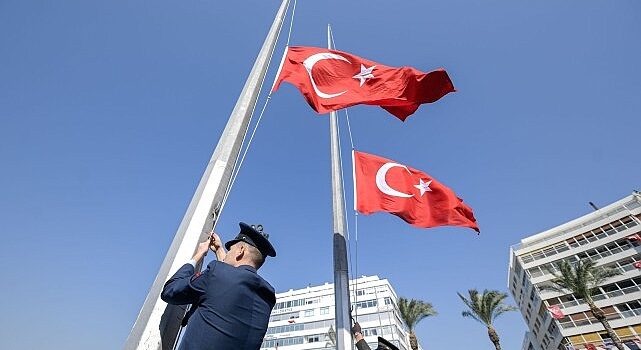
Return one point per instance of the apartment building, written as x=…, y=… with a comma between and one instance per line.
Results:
x=611, y=237
x=303, y=319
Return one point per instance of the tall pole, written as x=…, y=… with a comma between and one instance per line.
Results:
x=341, y=280
x=158, y=324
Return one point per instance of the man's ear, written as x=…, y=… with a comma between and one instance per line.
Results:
x=241, y=252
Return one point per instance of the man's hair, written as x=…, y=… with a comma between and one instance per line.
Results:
x=254, y=255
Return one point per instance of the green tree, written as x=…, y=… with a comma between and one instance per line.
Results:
x=412, y=312
x=583, y=279
x=485, y=308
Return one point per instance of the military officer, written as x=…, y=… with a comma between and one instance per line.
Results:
x=232, y=302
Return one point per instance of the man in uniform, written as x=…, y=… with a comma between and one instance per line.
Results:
x=232, y=303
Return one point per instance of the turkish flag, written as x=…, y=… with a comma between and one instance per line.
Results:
x=637, y=264
x=589, y=346
x=414, y=196
x=331, y=80
x=556, y=312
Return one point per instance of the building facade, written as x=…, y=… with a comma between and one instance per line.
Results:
x=303, y=319
x=607, y=236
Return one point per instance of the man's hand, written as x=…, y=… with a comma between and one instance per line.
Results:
x=214, y=243
x=356, y=330
x=202, y=249
x=217, y=246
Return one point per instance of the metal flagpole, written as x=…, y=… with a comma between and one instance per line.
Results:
x=341, y=280
x=158, y=324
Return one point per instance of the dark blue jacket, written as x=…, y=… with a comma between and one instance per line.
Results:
x=234, y=304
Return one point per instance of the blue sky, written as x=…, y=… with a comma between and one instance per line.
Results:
x=110, y=110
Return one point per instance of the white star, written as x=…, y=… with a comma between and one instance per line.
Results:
x=424, y=186
x=366, y=73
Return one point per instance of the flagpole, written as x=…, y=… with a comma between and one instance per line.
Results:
x=341, y=279
x=158, y=324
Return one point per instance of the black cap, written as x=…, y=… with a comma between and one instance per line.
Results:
x=254, y=236
x=385, y=345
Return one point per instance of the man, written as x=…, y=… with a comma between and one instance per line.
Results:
x=232, y=303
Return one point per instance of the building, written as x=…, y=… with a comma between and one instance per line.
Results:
x=303, y=319
x=606, y=235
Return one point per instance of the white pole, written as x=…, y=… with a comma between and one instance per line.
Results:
x=158, y=324
x=341, y=280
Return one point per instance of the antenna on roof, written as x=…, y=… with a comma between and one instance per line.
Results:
x=593, y=206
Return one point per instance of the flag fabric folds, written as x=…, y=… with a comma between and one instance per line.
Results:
x=330, y=80
x=414, y=196
x=556, y=312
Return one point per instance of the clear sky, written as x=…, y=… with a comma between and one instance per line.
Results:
x=109, y=112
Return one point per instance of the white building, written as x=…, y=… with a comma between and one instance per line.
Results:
x=607, y=236
x=303, y=319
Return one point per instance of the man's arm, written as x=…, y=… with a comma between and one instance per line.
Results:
x=185, y=287
x=361, y=344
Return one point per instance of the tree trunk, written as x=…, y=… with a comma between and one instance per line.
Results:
x=494, y=337
x=600, y=316
x=413, y=341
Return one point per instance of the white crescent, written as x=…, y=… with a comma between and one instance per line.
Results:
x=309, y=63
x=382, y=184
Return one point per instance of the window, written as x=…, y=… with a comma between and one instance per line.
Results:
x=313, y=339
x=552, y=329
x=546, y=341
x=285, y=316
x=309, y=312
x=629, y=309
x=324, y=310
x=365, y=304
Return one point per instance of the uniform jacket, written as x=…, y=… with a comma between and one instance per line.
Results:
x=362, y=345
x=233, y=306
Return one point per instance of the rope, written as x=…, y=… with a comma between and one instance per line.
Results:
x=351, y=262
x=291, y=24
x=260, y=117
x=242, y=159
x=351, y=141
x=378, y=309
x=349, y=129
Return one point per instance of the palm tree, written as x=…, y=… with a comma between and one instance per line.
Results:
x=412, y=312
x=485, y=308
x=583, y=279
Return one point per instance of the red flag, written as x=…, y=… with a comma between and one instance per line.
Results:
x=331, y=80
x=637, y=264
x=556, y=312
x=634, y=237
x=414, y=196
x=589, y=346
